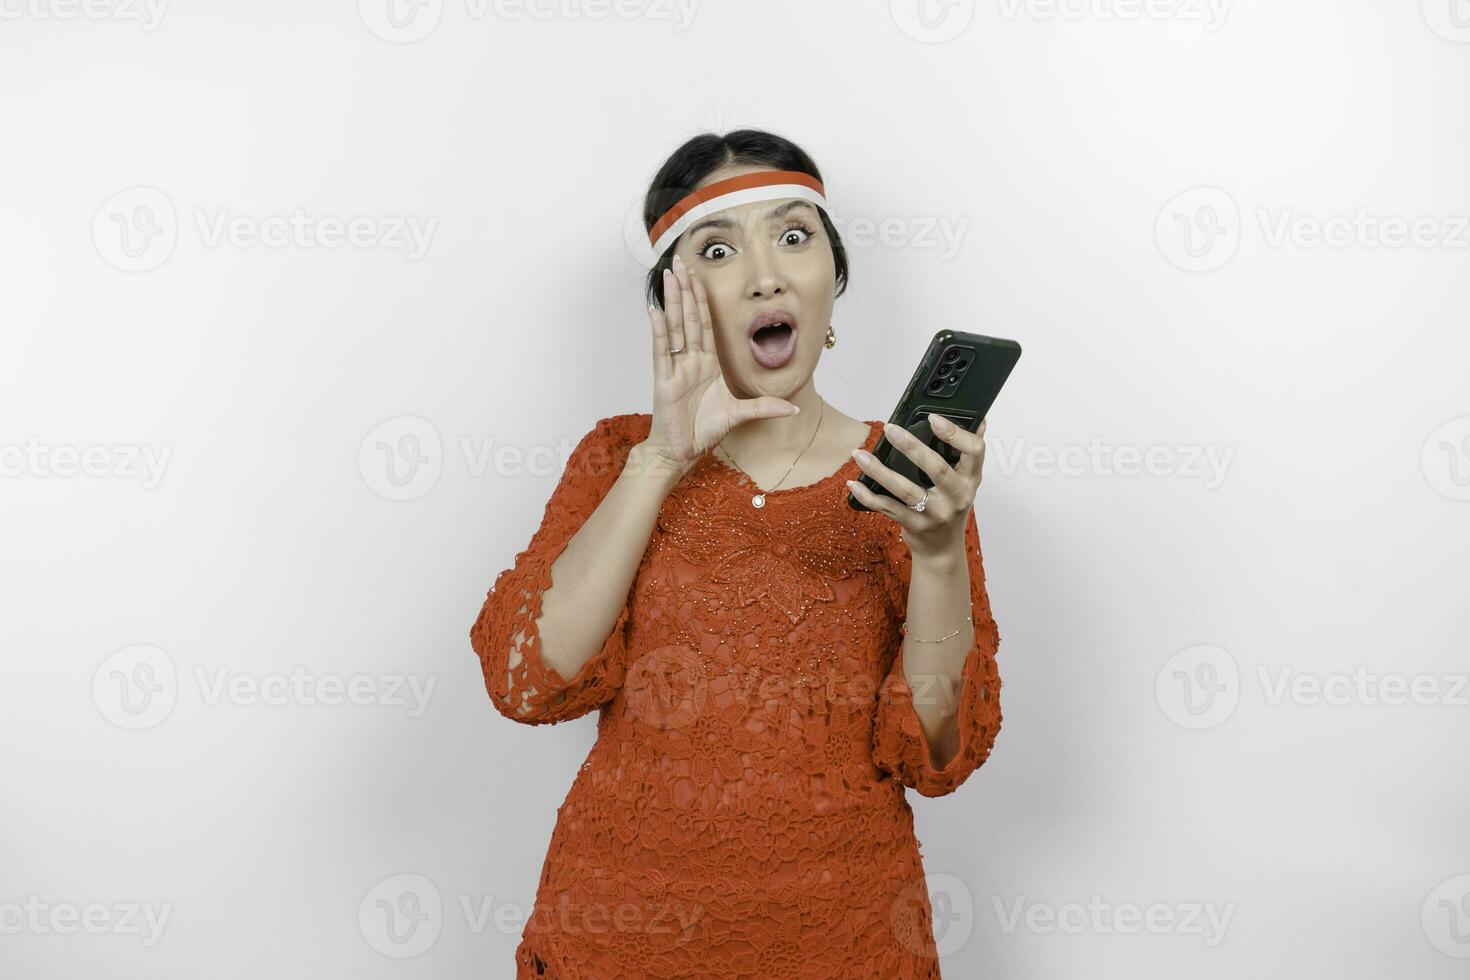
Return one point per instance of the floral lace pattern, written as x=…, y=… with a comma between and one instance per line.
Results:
x=742, y=813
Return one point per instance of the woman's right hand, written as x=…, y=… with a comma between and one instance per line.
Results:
x=693, y=409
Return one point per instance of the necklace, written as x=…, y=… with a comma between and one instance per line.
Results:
x=759, y=500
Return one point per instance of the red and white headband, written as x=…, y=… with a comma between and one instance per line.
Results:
x=764, y=185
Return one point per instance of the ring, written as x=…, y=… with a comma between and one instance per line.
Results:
x=679, y=351
x=920, y=505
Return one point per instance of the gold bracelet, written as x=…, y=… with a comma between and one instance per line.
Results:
x=904, y=629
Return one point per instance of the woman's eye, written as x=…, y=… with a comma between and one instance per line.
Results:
x=804, y=232
x=720, y=248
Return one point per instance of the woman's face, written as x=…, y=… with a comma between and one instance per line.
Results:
x=760, y=258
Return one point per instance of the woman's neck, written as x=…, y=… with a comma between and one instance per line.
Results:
x=782, y=438
x=765, y=448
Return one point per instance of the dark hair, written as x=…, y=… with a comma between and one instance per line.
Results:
x=703, y=155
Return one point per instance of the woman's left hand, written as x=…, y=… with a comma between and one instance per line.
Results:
x=939, y=529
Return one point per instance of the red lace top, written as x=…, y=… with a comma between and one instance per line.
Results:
x=742, y=813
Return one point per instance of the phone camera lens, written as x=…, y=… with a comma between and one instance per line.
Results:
x=943, y=370
x=935, y=386
x=951, y=354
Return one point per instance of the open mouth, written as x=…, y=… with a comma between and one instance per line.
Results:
x=774, y=342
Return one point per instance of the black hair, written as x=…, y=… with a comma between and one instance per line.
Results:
x=701, y=156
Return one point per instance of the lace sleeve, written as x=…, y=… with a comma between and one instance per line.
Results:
x=899, y=745
x=505, y=636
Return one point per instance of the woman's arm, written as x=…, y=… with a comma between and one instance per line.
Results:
x=939, y=712
x=573, y=581
x=594, y=572
x=938, y=604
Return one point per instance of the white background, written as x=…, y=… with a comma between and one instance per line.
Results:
x=1149, y=756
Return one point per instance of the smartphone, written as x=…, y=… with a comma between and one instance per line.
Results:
x=959, y=377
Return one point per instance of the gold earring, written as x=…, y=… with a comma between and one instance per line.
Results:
x=831, y=341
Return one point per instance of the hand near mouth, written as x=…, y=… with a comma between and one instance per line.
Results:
x=693, y=408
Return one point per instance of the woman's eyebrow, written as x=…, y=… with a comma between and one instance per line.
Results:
x=775, y=212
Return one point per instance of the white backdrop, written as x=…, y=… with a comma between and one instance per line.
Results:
x=281, y=281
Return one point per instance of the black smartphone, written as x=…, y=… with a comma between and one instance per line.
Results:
x=959, y=377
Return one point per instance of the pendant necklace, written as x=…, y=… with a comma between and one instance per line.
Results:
x=759, y=500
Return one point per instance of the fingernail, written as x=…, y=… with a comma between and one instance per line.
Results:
x=795, y=409
x=860, y=455
x=939, y=423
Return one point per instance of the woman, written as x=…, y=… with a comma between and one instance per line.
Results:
x=771, y=666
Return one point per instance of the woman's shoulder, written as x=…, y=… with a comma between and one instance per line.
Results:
x=627, y=428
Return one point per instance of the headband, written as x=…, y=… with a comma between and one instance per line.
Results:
x=764, y=185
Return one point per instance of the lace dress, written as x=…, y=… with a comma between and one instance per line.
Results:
x=742, y=813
